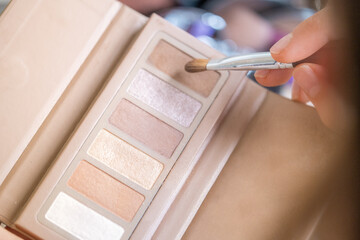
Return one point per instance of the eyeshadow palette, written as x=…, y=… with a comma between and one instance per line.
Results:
x=106, y=136
x=138, y=143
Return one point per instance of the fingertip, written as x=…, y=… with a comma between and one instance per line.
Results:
x=261, y=75
x=302, y=67
x=278, y=47
x=274, y=77
x=307, y=38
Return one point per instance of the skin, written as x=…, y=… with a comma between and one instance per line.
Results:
x=313, y=82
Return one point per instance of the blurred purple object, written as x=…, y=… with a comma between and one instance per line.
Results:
x=198, y=28
x=277, y=35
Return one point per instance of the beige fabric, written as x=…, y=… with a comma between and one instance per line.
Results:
x=275, y=183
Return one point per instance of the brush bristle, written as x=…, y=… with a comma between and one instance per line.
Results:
x=197, y=65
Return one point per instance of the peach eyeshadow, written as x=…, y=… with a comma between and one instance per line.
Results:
x=105, y=190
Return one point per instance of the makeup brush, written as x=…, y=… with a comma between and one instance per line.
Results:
x=254, y=61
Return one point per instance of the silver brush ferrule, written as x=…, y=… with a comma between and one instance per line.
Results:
x=254, y=61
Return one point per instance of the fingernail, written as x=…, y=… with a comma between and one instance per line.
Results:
x=307, y=80
x=295, y=95
x=281, y=44
x=261, y=73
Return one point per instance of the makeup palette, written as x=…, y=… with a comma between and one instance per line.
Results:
x=138, y=162
x=136, y=146
x=104, y=135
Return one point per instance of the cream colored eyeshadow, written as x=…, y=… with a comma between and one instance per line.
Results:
x=81, y=221
x=125, y=159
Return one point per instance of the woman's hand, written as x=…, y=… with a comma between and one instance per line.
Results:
x=312, y=81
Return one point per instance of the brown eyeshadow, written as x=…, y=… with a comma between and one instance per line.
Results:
x=146, y=128
x=171, y=61
x=106, y=191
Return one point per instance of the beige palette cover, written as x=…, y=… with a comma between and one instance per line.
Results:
x=24, y=162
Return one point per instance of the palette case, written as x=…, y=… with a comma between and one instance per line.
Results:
x=124, y=86
x=47, y=135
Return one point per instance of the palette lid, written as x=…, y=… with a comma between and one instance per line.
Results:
x=43, y=44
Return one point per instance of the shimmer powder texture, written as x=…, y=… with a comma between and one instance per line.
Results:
x=81, y=221
x=146, y=128
x=164, y=98
x=106, y=191
x=125, y=159
x=171, y=61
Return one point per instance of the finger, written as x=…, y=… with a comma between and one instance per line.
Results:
x=271, y=78
x=312, y=79
x=303, y=97
x=308, y=37
x=298, y=94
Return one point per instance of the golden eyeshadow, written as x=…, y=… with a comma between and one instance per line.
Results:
x=125, y=159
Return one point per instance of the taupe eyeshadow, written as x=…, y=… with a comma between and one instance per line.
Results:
x=146, y=128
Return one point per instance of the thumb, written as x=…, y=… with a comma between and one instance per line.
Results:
x=308, y=37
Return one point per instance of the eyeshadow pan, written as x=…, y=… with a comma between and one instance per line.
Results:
x=106, y=190
x=81, y=221
x=171, y=61
x=125, y=159
x=164, y=98
x=146, y=128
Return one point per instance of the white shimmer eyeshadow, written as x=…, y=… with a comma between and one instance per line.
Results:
x=81, y=221
x=164, y=98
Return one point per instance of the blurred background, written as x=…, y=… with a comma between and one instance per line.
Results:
x=234, y=27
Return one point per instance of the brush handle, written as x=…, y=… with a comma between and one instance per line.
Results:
x=254, y=61
x=264, y=60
